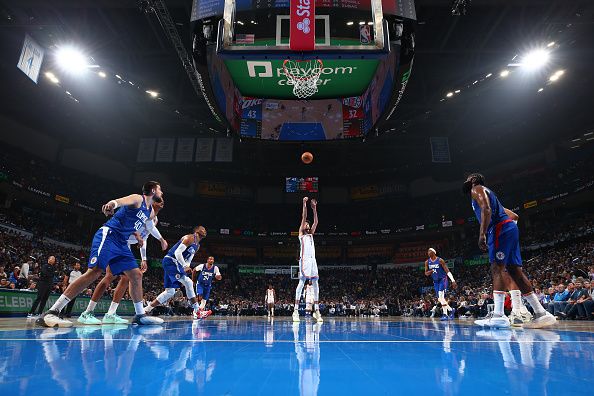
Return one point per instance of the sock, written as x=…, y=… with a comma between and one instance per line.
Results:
x=296, y=306
x=113, y=308
x=499, y=299
x=316, y=306
x=91, y=306
x=196, y=306
x=138, y=308
x=516, y=299
x=534, y=303
x=202, y=304
x=60, y=303
x=272, y=311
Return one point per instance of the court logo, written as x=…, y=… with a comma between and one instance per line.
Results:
x=267, y=65
x=500, y=255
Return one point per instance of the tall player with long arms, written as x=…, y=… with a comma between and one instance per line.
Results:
x=500, y=237
x=175, y=265
x=437, y=268
x=308, y=267
x=110, y=249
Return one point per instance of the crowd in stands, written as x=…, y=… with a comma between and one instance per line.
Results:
x=561, y=271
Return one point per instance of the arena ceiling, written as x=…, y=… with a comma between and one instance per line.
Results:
x=504, y=116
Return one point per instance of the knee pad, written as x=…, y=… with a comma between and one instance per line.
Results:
x=166, y=295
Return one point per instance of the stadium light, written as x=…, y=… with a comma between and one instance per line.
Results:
x=450, y=94
x=457, y=91
x=535, y=59
x=361, y=23
x=52, y=77
x=550, y=44
x=102, y=74
x=350, y=23
x=72, y=60
x=153, y=94
x=504, y=73
x=488, y=75
x=540, y=89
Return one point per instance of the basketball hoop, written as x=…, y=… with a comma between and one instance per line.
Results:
x=303, y=75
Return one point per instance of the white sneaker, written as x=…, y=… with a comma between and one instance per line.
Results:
x=497, y=322
x=295, y=316
x=146, y=320
x=318, y=316
x=52, y=319
x=517, y=319
x=541, y=320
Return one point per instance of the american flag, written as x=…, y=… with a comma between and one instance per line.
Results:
x=245, y=39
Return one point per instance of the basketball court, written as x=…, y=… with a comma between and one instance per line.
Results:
x=236, y=355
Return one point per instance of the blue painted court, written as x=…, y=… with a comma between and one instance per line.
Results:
x=258, y=356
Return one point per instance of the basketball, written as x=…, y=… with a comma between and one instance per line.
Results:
x=307, y=157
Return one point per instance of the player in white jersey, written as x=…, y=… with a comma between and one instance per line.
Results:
x=140, y=238
x=308, y=267
x=269, y=300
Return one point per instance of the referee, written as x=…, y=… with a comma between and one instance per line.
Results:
x=44, y=285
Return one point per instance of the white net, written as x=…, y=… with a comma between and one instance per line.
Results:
x=303, y=75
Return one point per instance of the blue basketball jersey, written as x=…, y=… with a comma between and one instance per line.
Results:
x=497, y=212
x=438, y=271
x=190, y=250
x=128, y=219
x=206, y=275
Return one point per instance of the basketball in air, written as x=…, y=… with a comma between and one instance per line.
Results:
x=307, y=157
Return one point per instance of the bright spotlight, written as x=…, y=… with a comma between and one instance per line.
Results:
x=540, y=89
x=153, y=94
x=554, y=77
x=488, y=75
x=72, y=60
x=450, y=94
x=504, y=73
x=350, y=23
x=52, y=77
x=550, y=44
x=535, y=59
x=457, y=91
x=361, y=23
x=559, y=73
x=102, y=74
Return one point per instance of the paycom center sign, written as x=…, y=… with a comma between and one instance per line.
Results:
x=266, y=79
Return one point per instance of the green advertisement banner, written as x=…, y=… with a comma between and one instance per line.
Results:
x=20, y=302
x=481, y=260
x=265, y=78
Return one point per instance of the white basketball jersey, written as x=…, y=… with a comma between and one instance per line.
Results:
x=308, y=249
x=270, y=295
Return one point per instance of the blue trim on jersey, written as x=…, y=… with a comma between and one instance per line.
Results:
x=128, y=219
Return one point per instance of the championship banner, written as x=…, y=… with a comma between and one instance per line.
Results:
x=303, y=27
x=185, y=150
x=440, y=150
x=165, y=150
x=224, y=150
x=146, y=150
x=204, y=148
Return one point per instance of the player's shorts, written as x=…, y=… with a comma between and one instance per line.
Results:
x=504, y=244
x=440, y=285
x=270, y=302
x=110, y=249
x=308, y=268
x=172, y=273
x=203, y=290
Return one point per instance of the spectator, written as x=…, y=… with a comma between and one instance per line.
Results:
x=585, y=304
x=5, y=284
x=44, y=286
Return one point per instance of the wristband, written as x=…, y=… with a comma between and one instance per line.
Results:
x=451, y=277
x=115, y=203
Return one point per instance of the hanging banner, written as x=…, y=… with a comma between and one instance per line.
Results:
x=146, y=150
x=440, y=150
x=303, y=31
x=31, y=58
x=224, y=151
x=185, y=150
x=447, y=223
x=204, y=148
x=165, y=148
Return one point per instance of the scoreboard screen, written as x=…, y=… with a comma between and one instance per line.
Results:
x=301, y=184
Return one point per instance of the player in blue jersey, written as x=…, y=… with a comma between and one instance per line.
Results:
x=437, y=268
x=206, y=273
x=175, y=265
x=500, y=237
x=140, y=238
x=109, y=249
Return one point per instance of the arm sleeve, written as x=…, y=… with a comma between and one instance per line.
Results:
x=199, y=267
x=143, y=250
x=154, y=231
x=178, y=254
x=190, y=260
x=216, y=271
